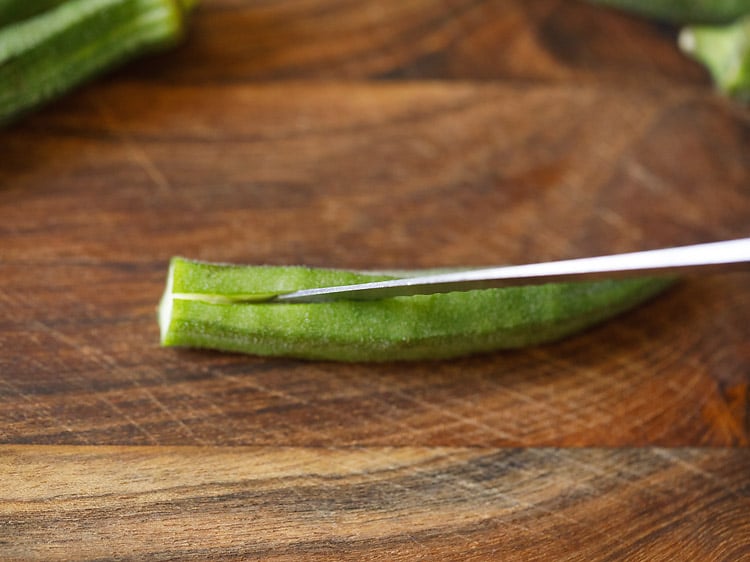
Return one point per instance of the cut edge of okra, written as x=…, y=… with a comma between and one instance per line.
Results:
x=209, y=306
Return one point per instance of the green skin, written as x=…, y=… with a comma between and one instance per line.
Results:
x=202, y=307
x=12, y=11
x=725, y=50
x=49, y=53
x=683, y=11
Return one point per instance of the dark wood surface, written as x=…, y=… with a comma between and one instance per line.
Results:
x=378, y=135
x=372, y=503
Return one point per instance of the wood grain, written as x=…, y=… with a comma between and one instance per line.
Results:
x=386, y=135
x=102, y=192
x=512, y=40
x=269, y=503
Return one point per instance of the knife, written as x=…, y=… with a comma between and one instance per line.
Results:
x=713, y=257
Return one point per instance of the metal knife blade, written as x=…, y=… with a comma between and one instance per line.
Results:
x=713, y=257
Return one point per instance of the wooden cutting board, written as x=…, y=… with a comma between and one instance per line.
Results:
x=376, y=135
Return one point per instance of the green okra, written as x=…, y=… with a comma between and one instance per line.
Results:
x=223, y=307
x=49, y=53
x=725, y=51
x=17, y=10
x=683, y=11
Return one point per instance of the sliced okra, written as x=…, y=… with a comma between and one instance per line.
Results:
x=225, y=307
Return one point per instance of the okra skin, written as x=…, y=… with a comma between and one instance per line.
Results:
x=403, y=328
x=50, y=53
x=683, y=11
x=725, y=51
x=12, y=11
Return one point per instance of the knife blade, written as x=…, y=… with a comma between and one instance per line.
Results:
x=712, y=257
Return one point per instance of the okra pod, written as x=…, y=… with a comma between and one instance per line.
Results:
x=211, y=306
x=45, y=55
x=725, y=51
x=17, y=10
x=683, y=11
